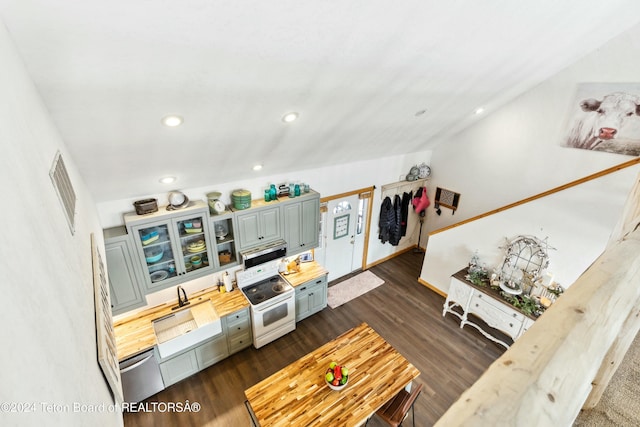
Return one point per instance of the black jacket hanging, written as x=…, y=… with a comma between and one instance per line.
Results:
x=386, y=221
x=406, y=201
x=395, y=233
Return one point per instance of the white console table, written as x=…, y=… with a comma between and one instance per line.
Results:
x=487, y=305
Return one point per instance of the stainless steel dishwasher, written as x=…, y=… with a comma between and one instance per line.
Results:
x=141, y=377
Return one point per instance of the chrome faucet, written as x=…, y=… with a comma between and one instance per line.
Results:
x=182, y=299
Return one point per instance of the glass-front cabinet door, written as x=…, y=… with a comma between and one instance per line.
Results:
x=173, y=249
x=223, y=229
x=157, y=249
x=193, y=241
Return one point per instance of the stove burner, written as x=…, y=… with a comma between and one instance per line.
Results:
x=278, y=288
x=265, y=289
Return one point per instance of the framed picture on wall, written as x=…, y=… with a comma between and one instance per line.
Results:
x=340, y=226
x=605, y=117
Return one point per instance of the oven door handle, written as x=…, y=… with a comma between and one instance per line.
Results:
x=270, y=306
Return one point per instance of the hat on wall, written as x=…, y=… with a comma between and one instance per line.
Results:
x=177, y=200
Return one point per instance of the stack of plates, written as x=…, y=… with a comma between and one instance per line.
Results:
x=195, y=247
x=241, y=199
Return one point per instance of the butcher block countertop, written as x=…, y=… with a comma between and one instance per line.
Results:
x=299, y=395
x=134, y=334
x=308, y=271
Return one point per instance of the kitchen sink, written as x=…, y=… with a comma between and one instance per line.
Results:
x=186, y=328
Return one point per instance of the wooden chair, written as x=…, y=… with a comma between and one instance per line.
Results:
x=396, y=410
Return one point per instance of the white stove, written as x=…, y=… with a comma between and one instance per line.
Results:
x=272, y=300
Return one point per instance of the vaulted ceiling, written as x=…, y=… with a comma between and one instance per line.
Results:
x=369, y=78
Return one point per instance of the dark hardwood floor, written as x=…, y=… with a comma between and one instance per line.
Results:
x=405, y=313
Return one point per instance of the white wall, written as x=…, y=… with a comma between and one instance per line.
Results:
x=575, y=226
x=48, y=334
x=514, y=153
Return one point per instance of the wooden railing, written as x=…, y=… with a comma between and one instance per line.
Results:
x=566, y=359
x=596, y=175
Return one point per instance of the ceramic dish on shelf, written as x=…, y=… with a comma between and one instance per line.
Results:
x=159, y=275
x=149, y=236
x=150, y=240
x=154, y=255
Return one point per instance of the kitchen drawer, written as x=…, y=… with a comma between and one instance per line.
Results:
x=240, y=342
x=239, y=327
x=238, y=316
x=496, y=315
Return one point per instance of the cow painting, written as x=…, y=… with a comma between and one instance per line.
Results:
x=610, y=123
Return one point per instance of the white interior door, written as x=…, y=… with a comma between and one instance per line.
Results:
x=339, y=237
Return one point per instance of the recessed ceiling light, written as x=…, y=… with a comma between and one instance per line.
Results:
x=168, y=179
x=479, y=110
x=257, y=167
x=172, y=121
x=289, y=117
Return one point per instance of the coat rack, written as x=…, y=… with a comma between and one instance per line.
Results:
x=403, y=186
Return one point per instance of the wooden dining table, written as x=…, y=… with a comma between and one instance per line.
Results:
x=299, y=395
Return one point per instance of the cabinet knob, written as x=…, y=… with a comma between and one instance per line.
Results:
x=514, y=315
x=476, y=305
x=303, y=289
x=311, y=294
x=479, y=295
x=319, y=281
x=511, y=325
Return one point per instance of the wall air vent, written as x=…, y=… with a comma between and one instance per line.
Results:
x=62, y=184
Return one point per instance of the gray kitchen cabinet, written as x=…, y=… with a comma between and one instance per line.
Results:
x=258, y=226
x=223, y=239
x=179, y=367
x=311, y=297
x=238, y=330
x=122, y=271
x=301, y=221
x=194, y=359
x=211, y=352
x=172, y=247
x=236, y=335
